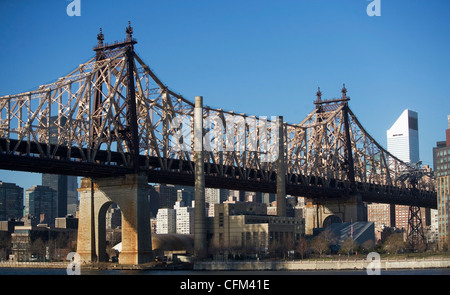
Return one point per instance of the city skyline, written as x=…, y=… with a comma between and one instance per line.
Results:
x=245, y=56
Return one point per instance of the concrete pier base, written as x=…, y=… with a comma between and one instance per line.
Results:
x=130, y=194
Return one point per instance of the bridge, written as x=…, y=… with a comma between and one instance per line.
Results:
x=113, y=122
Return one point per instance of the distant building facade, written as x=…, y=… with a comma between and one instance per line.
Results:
x=11, y=201
x=166, y=221
x=65, y=186
x=184, y=220
x=40, y=205
x=247, y=225
x=442, y=174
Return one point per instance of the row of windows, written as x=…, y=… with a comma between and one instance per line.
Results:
x=443, y=152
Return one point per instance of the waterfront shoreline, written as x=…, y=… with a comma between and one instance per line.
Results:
x=296, y=265
x=312, y=265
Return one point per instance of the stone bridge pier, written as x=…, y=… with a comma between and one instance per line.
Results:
x=130, y=194
x=322, y=212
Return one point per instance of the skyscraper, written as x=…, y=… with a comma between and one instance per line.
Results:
x=403, y=137
x=11, y=201
x=166, y=221
x=403, y=143
x=40, y=205
x=59, y=184
x=65, y=186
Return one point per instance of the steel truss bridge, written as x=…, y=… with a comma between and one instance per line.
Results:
x=112, y=116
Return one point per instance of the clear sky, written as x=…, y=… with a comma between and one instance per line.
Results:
x=264, y=57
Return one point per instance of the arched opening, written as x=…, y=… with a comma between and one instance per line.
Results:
x=330, y=220
x=109, y=231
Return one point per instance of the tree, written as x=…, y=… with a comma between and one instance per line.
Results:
x=289, y=244
x=38, y=247
x=329, y=236
x=394, y=243
x=420, y=247
x=368, y=246
x=302, y=247
x=320, y=245
x=5, y=245
x=348, y=246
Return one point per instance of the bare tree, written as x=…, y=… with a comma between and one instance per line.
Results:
x=368, y=246
x=302, y=247
x=38, y=247
x=329, y=236
x=320, y=245
x=394, y=243
x=348, y=246
x=5, y=245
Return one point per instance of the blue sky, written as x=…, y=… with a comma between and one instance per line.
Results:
x=262, y=57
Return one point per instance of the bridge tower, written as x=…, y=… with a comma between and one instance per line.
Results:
x=129, y=192
x=324, y=210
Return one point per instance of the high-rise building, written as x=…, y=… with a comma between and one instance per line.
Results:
x=380, y=214
x=184, y=219
x=186, y=195
x=442, y=173
x=40, y=205
x=403, y=143
x=65, y=186
x=166, y=221
x=72, y=195
x=167, y=195
x=11, y=201
x=403, y=137
x=59, y=184
x=66, y=192
x=215, y=195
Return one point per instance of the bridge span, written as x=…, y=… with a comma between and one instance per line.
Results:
x=112, y=118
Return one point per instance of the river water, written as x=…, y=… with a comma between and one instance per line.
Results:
x=183, y=282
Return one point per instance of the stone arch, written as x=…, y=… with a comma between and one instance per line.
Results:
x=101, y=230
x=330, y=219
x=130, y=194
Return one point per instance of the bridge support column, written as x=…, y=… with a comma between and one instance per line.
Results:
x=281, y=170
x=199, y=186
x=130, y=194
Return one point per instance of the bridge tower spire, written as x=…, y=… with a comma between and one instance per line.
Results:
x=348, y=143
x=129, y=132
x=131, y=100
